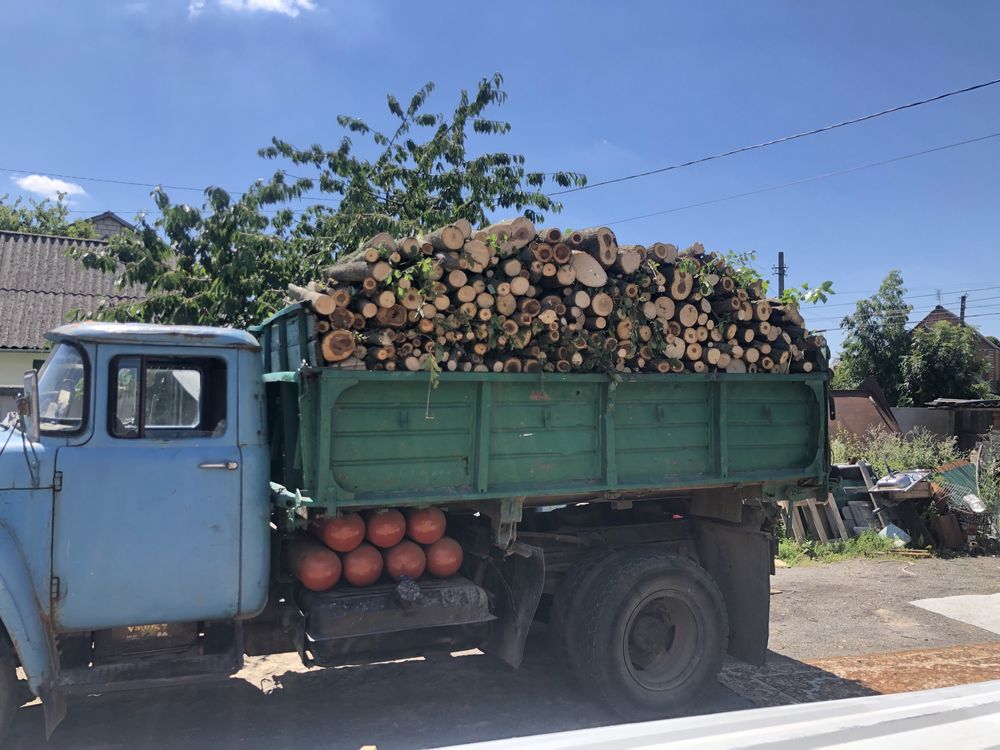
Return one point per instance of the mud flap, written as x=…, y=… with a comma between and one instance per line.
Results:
x=739, y=559
x=515, y=581
x=54, y=708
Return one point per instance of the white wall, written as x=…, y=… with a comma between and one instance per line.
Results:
x=14, y=362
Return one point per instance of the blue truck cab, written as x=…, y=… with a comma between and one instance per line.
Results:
x=145, y=499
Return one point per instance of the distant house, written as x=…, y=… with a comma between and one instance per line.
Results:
x=989, y=350
x=39, y=286
x=109, y=223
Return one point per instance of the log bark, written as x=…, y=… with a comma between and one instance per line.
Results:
x=321, y=304
x=448, y=237
x=688, y=315
x=664, y=252
x=681, y=285
x=337, y=345
x=599, y=242
x=601, y=304
x=629, y=259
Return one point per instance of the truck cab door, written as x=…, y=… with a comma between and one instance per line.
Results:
x=147, y=520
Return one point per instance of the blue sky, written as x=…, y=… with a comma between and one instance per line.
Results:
x=183, y=92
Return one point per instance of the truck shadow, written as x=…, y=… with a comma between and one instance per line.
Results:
x=419, y=703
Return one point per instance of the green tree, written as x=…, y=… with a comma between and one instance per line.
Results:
x=229, y=262
x=876, y=340
x=945, y=362
x=42, y=217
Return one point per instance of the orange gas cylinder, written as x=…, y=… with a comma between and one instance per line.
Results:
x=363, y=565
x=444, y=557
x=342, y=533
x=425, y=525
x=316, y=566
x=405, y=559
x=386, y=528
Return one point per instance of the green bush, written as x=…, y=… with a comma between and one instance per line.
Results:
x=917, y=449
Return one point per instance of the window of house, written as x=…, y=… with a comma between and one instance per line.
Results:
x=167, y=397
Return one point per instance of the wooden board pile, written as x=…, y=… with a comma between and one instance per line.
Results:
x=508, y=298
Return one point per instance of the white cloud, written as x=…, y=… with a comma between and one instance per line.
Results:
x=290, y=8
x=47, y=187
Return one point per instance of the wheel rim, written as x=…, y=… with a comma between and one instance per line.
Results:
x=661, y=642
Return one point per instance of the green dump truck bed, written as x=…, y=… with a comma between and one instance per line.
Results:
x=355, y=438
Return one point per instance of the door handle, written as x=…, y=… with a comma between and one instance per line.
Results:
x=227, y=465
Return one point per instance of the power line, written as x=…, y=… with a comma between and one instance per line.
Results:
x=944, y=293
x=130, y=183
x=804, y=180
x=783, y=139
x=840, y=328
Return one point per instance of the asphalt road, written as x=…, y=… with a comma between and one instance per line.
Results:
x=839, y=611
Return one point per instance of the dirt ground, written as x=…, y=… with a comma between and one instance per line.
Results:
x=837, y=631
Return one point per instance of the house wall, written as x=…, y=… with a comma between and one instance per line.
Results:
x=106, y=227
x=940, y=422
x=13, y=363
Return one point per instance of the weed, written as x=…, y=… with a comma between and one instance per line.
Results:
x=917, y=449
x=800, y=553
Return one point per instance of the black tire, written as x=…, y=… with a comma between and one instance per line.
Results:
x=8, y=685
x=566, y=605
x=651, y=633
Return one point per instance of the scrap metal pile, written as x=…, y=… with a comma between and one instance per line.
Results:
x=510, y=298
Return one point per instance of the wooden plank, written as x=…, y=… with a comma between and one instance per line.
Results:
x=833, y=516
x=817, y=520
x=797, y=530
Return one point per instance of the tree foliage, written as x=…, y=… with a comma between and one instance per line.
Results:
x=225, y=264
x=42, y=217
x=944, y=362
x=228, y=262
x=876, y=339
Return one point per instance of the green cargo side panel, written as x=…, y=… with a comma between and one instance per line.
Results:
x=356, y=438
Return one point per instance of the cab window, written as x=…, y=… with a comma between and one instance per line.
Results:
x=62, y=391
x=167, y=397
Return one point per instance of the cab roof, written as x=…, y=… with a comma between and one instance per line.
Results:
x=152, y=334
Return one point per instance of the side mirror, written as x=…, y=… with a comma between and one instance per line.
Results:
x=27, y=406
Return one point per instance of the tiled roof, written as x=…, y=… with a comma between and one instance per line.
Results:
x=40, y=284
x=940, y=313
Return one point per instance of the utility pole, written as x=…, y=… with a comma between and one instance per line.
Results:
x=782, y=269
x=961, y=314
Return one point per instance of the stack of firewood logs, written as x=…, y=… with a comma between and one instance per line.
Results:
x=510, y=298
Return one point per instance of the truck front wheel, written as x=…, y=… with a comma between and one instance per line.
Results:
x=651, y=633
x=8, y=684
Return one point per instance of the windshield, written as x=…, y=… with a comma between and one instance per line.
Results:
x=62, y=388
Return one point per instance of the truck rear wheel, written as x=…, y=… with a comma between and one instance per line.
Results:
x=566, y=606
x=651, y=633
x=8, y=685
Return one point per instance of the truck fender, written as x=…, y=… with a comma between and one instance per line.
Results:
x=21, y=615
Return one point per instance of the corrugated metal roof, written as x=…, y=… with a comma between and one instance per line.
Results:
x=40, y=285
